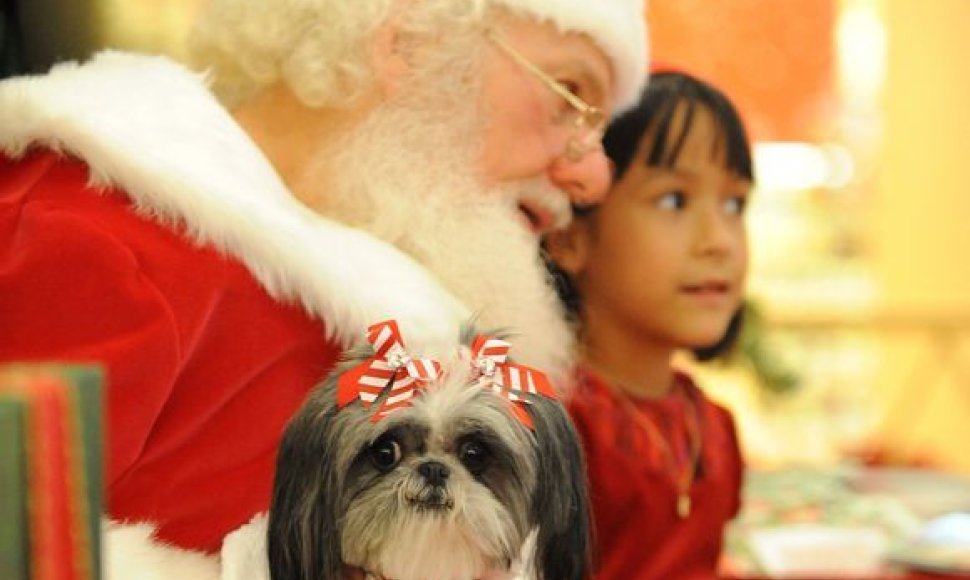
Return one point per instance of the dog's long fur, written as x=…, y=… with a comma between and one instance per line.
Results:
x=335, y=505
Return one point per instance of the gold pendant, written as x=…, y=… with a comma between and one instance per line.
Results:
x=683, y=505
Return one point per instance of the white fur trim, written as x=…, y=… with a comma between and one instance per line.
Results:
x=152, y=128
x=244, y=552
x=618, y=26
x=131, y=552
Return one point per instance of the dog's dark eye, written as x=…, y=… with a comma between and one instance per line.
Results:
x=385, y=453
x=475, y=456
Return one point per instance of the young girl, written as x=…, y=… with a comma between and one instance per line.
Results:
x=657, y=268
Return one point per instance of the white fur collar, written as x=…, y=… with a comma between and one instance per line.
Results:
x=152, y=128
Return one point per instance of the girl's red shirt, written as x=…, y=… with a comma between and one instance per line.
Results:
x=638, y=533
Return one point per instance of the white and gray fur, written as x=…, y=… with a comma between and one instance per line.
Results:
x=468, y=487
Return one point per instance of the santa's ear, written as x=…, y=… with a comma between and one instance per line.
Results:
x=388, y=59
x=568, y=248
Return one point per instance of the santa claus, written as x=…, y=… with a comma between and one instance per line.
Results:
x=216, y=236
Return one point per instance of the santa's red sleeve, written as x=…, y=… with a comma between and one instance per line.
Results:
x=203, y=368
x=55, y=265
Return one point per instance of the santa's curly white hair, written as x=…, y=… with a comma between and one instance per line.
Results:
x=322, y=48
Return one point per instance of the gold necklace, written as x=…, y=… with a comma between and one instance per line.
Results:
x=683, y=479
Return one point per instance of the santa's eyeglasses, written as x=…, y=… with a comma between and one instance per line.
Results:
x=588, y=122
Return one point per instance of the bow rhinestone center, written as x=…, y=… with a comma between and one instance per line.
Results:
x=397, y=357
x=487, y=366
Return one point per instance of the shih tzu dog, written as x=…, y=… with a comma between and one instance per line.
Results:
x=404, y=468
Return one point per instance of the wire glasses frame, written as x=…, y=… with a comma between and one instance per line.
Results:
x=590, y=122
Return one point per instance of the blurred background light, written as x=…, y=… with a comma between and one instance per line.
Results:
x=861, y=46
x=792, y=166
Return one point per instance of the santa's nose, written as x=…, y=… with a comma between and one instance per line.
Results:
x=585, y=180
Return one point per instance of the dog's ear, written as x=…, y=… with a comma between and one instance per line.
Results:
x=560, y=506
x=303, y=542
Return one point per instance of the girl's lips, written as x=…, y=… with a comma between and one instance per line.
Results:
x=714, y=291
x=712, y=287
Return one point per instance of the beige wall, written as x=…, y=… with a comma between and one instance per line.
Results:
x=146, y=25
x=920, y=226
x=922, y=222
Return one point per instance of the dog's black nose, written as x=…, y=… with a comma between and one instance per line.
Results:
x=434, y=472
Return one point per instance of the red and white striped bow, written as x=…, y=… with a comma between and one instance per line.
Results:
x=391, y=364
x=508, y=380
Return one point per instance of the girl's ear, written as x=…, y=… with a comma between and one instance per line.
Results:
x=388, y=60
x=569, y=247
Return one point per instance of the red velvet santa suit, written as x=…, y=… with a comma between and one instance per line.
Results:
x=141, y=229
x=639, y=535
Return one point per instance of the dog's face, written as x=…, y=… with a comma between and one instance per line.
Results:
x=439, y=490
x=449, y=488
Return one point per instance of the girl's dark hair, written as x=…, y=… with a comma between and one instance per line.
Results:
x=655, y=114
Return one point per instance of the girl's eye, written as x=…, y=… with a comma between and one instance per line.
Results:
x=672, y=200
x=735, y=205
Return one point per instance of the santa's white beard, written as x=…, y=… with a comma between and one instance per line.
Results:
x=483, y=254
x=407, y=176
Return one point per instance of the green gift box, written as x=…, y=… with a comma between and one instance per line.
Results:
x=51, y=472
x=13, y=491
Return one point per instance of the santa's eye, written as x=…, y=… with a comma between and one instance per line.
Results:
x=385, y=453
x=474, y=455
